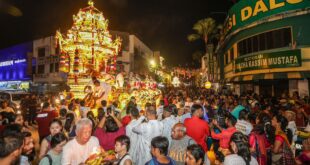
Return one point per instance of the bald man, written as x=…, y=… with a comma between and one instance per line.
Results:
x=179, y=143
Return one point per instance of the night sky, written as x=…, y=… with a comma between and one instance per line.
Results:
x=162, y=24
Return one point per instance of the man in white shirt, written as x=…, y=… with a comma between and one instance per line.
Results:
x=82, y=146
x=160, y=110
x=147, y=131
x=168, y=122
x=187, y=113
x=188, y=102
x=134, y=137
x=180, y=111
x=290, y=116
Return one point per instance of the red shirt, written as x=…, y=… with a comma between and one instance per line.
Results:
x=107, y=139
x=43, y=119
x=224, y=136
x=126, y=120
x=198, y=130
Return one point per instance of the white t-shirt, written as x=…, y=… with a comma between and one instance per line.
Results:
x=160, y=110
x=244, y=127
x=127, y=157
x=235, y=159
x=168, y=124
x=292, y=126
x=74, y=153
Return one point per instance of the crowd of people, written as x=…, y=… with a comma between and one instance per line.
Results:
x=190, y=126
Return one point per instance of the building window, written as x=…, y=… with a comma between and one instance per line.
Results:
x=249, y=44
x=269, y=40
x=262, y=41
x=231, y=54
x=287, y=37
x=255, y=43
x=244, y=43
x=240, y=48
x=278, y=38
x=41, y=69
x=41, y=52
x=51, y=67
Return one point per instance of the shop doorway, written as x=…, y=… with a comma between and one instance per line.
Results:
x=276, y=88
x=265, y=88
x=280, y=87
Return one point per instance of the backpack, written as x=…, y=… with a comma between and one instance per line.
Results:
x=50, y=160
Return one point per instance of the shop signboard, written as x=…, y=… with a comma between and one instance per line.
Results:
x=282, y=59
x=14, y=62
x=246, y=12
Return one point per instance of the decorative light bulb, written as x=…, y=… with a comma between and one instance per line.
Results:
x=91, y=3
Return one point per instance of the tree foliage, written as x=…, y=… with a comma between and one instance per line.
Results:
x=205, y=29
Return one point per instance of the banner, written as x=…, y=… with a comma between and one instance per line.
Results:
x=283, y=59
x=246, y=12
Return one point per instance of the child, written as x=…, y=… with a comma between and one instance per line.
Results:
x=122, y=145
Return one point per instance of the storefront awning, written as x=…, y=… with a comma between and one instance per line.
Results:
x=258, y=76
x=305, y=74
x=269, y=76
x=280, y=76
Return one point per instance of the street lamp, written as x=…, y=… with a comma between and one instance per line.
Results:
x=153, y=63
x=153, y=67
x=208, y=84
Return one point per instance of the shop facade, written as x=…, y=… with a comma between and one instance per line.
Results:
x=266, y=48
x=16, y=67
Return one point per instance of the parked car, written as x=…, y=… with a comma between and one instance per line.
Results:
x=13, y=97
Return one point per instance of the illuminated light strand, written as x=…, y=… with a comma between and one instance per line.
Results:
x=89, y=36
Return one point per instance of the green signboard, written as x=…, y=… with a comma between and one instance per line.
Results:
x=283, y=59
x=248, y=11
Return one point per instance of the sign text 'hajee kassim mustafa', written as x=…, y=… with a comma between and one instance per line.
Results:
x=283, y=59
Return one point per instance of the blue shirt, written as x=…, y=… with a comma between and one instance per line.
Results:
x=154, y=161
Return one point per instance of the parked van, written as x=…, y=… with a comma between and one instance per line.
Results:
x=13, y=97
